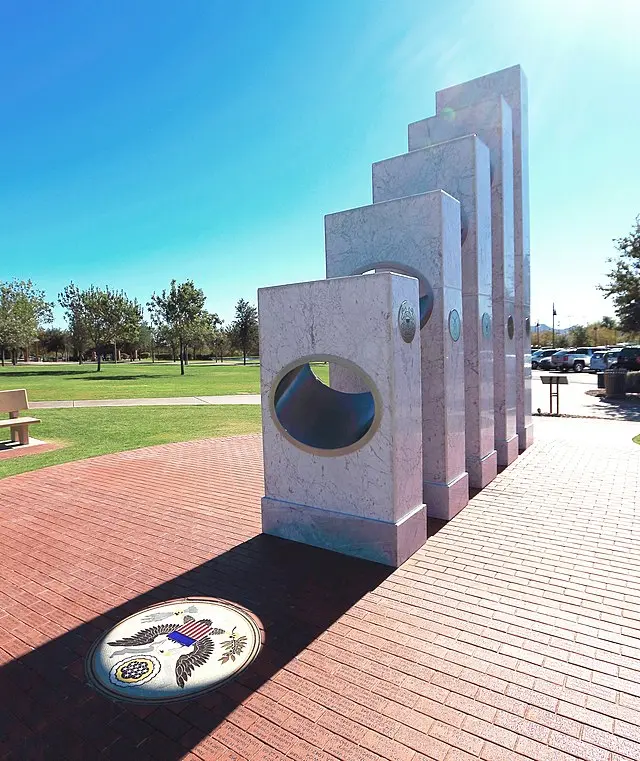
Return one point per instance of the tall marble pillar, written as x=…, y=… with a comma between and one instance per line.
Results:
x=491, y=121
x=511, y=83
x=343, y=471
x=420, y=236
x=461, y=168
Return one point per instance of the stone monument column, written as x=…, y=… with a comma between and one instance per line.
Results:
x=490, y=120
x=420, y=236
x=343, y=471
x=511, y=83
x=461, y=168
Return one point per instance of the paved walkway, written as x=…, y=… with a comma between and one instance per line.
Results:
x=151, y=402
x=513, y=634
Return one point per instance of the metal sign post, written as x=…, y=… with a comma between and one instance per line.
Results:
x=554, y=382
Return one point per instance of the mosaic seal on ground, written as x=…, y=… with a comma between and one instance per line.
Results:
x=174, y=650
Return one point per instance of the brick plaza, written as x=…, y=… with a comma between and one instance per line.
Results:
x=514, y=633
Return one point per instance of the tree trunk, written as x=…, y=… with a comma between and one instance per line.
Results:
x=14, y=357
x=99, y=361
x=3, y=356
x=244, y=354
x=153, y=352
x=181, y=358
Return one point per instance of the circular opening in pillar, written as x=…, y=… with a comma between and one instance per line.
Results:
x=510, y=326
x=318, y=418
x=486, y=325
x=175, y=650
x=426, y=298
x=527, y=326
x=454, y=324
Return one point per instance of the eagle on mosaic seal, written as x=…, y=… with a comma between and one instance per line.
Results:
x=191, y=640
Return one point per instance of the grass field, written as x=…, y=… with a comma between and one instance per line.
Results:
x=101, y=430
x=128, y=380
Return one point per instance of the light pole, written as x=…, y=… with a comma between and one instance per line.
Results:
x=538, y=332
x=553, y=327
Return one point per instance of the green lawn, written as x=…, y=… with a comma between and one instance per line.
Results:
x=128, y=380
x=95, y=431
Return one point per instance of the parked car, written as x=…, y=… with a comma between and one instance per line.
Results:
x=546, y=363
x=628, y=358
x=602, y=360
x=539, y=355
x=573, y=359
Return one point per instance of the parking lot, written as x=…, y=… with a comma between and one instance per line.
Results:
x=575, y=401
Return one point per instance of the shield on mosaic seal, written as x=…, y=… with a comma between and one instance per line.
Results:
x=174, y=650
x=407, y=321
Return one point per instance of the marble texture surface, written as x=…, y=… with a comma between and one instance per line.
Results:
x=491, y=120
x=460, y=167
x=419, y=235
x=510, y=83
x=373, y=493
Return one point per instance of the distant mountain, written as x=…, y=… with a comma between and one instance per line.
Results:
x=544, y=327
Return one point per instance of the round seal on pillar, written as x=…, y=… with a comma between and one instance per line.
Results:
x=407, y=322
x=527, y=326
x=454, y=324
x=486, y=324
x=510, y=326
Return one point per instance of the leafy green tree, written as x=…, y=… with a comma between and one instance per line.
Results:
x=105, y=316
x=123, y=317
x=244, y=329
x=52, y=340
x=624, y=280
x=23, y=311
x=221, y=342
x=579, y=336
x=181, y=310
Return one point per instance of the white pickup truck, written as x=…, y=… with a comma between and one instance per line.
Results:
x=572, y=359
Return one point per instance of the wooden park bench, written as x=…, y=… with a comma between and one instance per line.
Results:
x=12, y=402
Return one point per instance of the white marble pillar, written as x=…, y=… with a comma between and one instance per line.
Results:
x=420, y=236
x=343, y=471
x=461, y=168
x=511, y=83
x=490, y=120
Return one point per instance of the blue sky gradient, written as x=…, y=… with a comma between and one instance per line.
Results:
x=150, y=140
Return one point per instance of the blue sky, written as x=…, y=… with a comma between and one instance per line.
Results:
x=207, y=139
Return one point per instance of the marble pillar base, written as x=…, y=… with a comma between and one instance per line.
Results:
x=525, y=437
x=482, y=470
x=380, y=541
x=507, y=450
x=445, y=501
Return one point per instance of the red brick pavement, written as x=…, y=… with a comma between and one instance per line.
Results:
x=513, y=634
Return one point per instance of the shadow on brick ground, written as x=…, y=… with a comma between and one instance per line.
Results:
x=49, y=713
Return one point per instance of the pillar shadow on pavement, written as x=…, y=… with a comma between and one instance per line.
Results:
x=49, y=713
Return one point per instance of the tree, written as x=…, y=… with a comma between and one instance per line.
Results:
x=23, y=311
x=244, y=329
x=181, y=310
x=221, y=342
x=104, y=316
x=123, y=317
x=52, y=340
x=624, y=280
x=579, y=335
